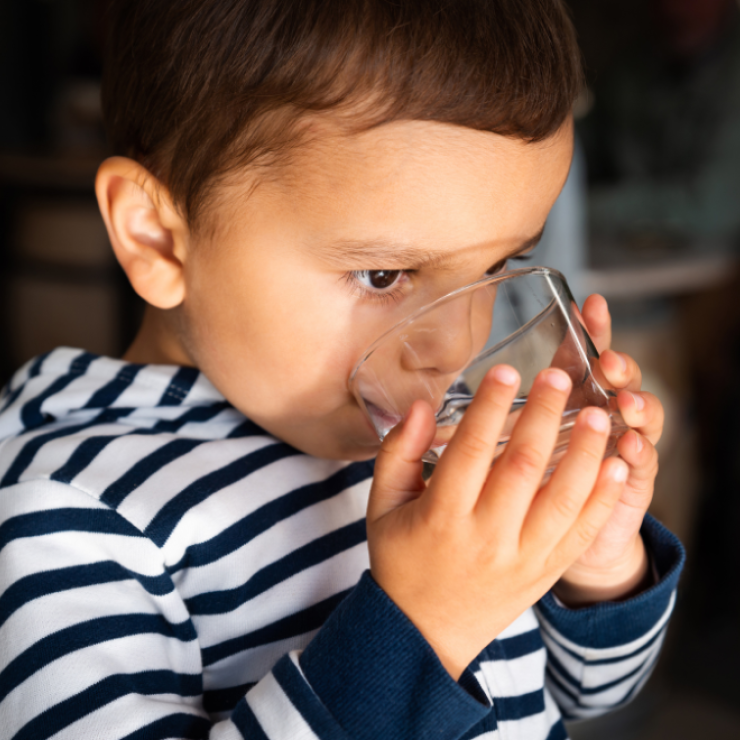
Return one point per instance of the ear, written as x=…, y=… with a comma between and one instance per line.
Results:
x=149, y=236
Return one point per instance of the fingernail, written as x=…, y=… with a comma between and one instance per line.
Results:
x=558, y=380
x=639, y=401
x=622, y=361
x=620, y=473
x=597, y=420
x=638, y=442
x=505, y=375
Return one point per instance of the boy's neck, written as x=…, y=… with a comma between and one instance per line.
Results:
x=156, y=342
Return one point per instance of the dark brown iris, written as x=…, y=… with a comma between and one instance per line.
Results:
x=381, y=279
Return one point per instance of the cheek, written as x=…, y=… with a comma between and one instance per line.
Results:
x=275, y=348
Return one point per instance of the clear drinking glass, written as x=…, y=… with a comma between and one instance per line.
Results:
x=524, y=318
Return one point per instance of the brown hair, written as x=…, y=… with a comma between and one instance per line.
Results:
x=194, y=89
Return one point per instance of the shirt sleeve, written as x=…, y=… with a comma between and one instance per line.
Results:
x=97, y=643
x=599, y=657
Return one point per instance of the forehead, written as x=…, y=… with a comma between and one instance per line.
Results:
x=418, y=183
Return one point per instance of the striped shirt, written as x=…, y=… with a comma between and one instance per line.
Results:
x=169, y=570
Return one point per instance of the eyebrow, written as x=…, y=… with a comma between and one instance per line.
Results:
x=378, y=253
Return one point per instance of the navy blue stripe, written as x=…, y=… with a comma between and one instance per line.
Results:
x=224, y=700
x=247, y=723
x=517, y=707
x=167, y=518
x=645, y=646
x=29, y=450
x=86, y=634
x=299, y=623
x=197, y=414
x=37, y=524
x=575, y=686
x=117, y=491
x=85, y=453
x=31, y=415
x=33, y=371
x=604, y=661
x=510, y=648
x=610, y=706
x=76, y=576
x=181, y=725
x=179, y=387
x=91, y=447
x=553, y=662
x=306, y=702
x=186, y=726
x=557, y=732
x=630, y=694
x=109, y=393
x=569, y=691
x=246, y=429
x=238, y=534
x=611, y=684
x=110, y=689
x=317, y=551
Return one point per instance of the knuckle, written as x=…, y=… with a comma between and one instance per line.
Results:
x=566, y=506
x=473, y=445
x=587, y=533
x=525, y=460
x=591, y=452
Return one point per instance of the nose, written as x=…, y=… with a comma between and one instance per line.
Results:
x=446, y=338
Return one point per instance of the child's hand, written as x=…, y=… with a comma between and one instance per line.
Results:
x=467, y=554
x=616, y=564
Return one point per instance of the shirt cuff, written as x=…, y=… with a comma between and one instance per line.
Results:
x=378, y=676
x=609, y=623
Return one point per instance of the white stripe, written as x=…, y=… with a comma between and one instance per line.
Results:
x=38, y=496
x=515, y=677
x=118, y=457
x=244, y=497
x=126, y=715
x=289, y=596
x=69, y=675
x=42, y=617
x=268, y=547
x=526, y=622
x=252, y=665
x=277, y=716
x=590, y=675
x=51, y=552
x=145, y=502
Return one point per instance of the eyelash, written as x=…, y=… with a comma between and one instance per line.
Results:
x=394, y=294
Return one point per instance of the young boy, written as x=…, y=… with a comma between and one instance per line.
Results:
x=193, y=542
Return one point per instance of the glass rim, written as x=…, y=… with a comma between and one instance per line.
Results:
x=414, y=315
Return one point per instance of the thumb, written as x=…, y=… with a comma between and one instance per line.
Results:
x=398, y=467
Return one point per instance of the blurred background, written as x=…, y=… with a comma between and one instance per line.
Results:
x=650, y=218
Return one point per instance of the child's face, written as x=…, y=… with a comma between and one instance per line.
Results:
x=313, y=265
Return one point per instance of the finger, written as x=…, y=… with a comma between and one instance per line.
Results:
x=644, y=412
x=620, y=370
x=598, y=321
x=594, y=515
x=557, y=506
x=397, y=477
x=518, y=472
x=467, y=460
x=642, y=458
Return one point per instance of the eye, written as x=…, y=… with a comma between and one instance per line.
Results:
x=378, y=279
x=495, y=269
